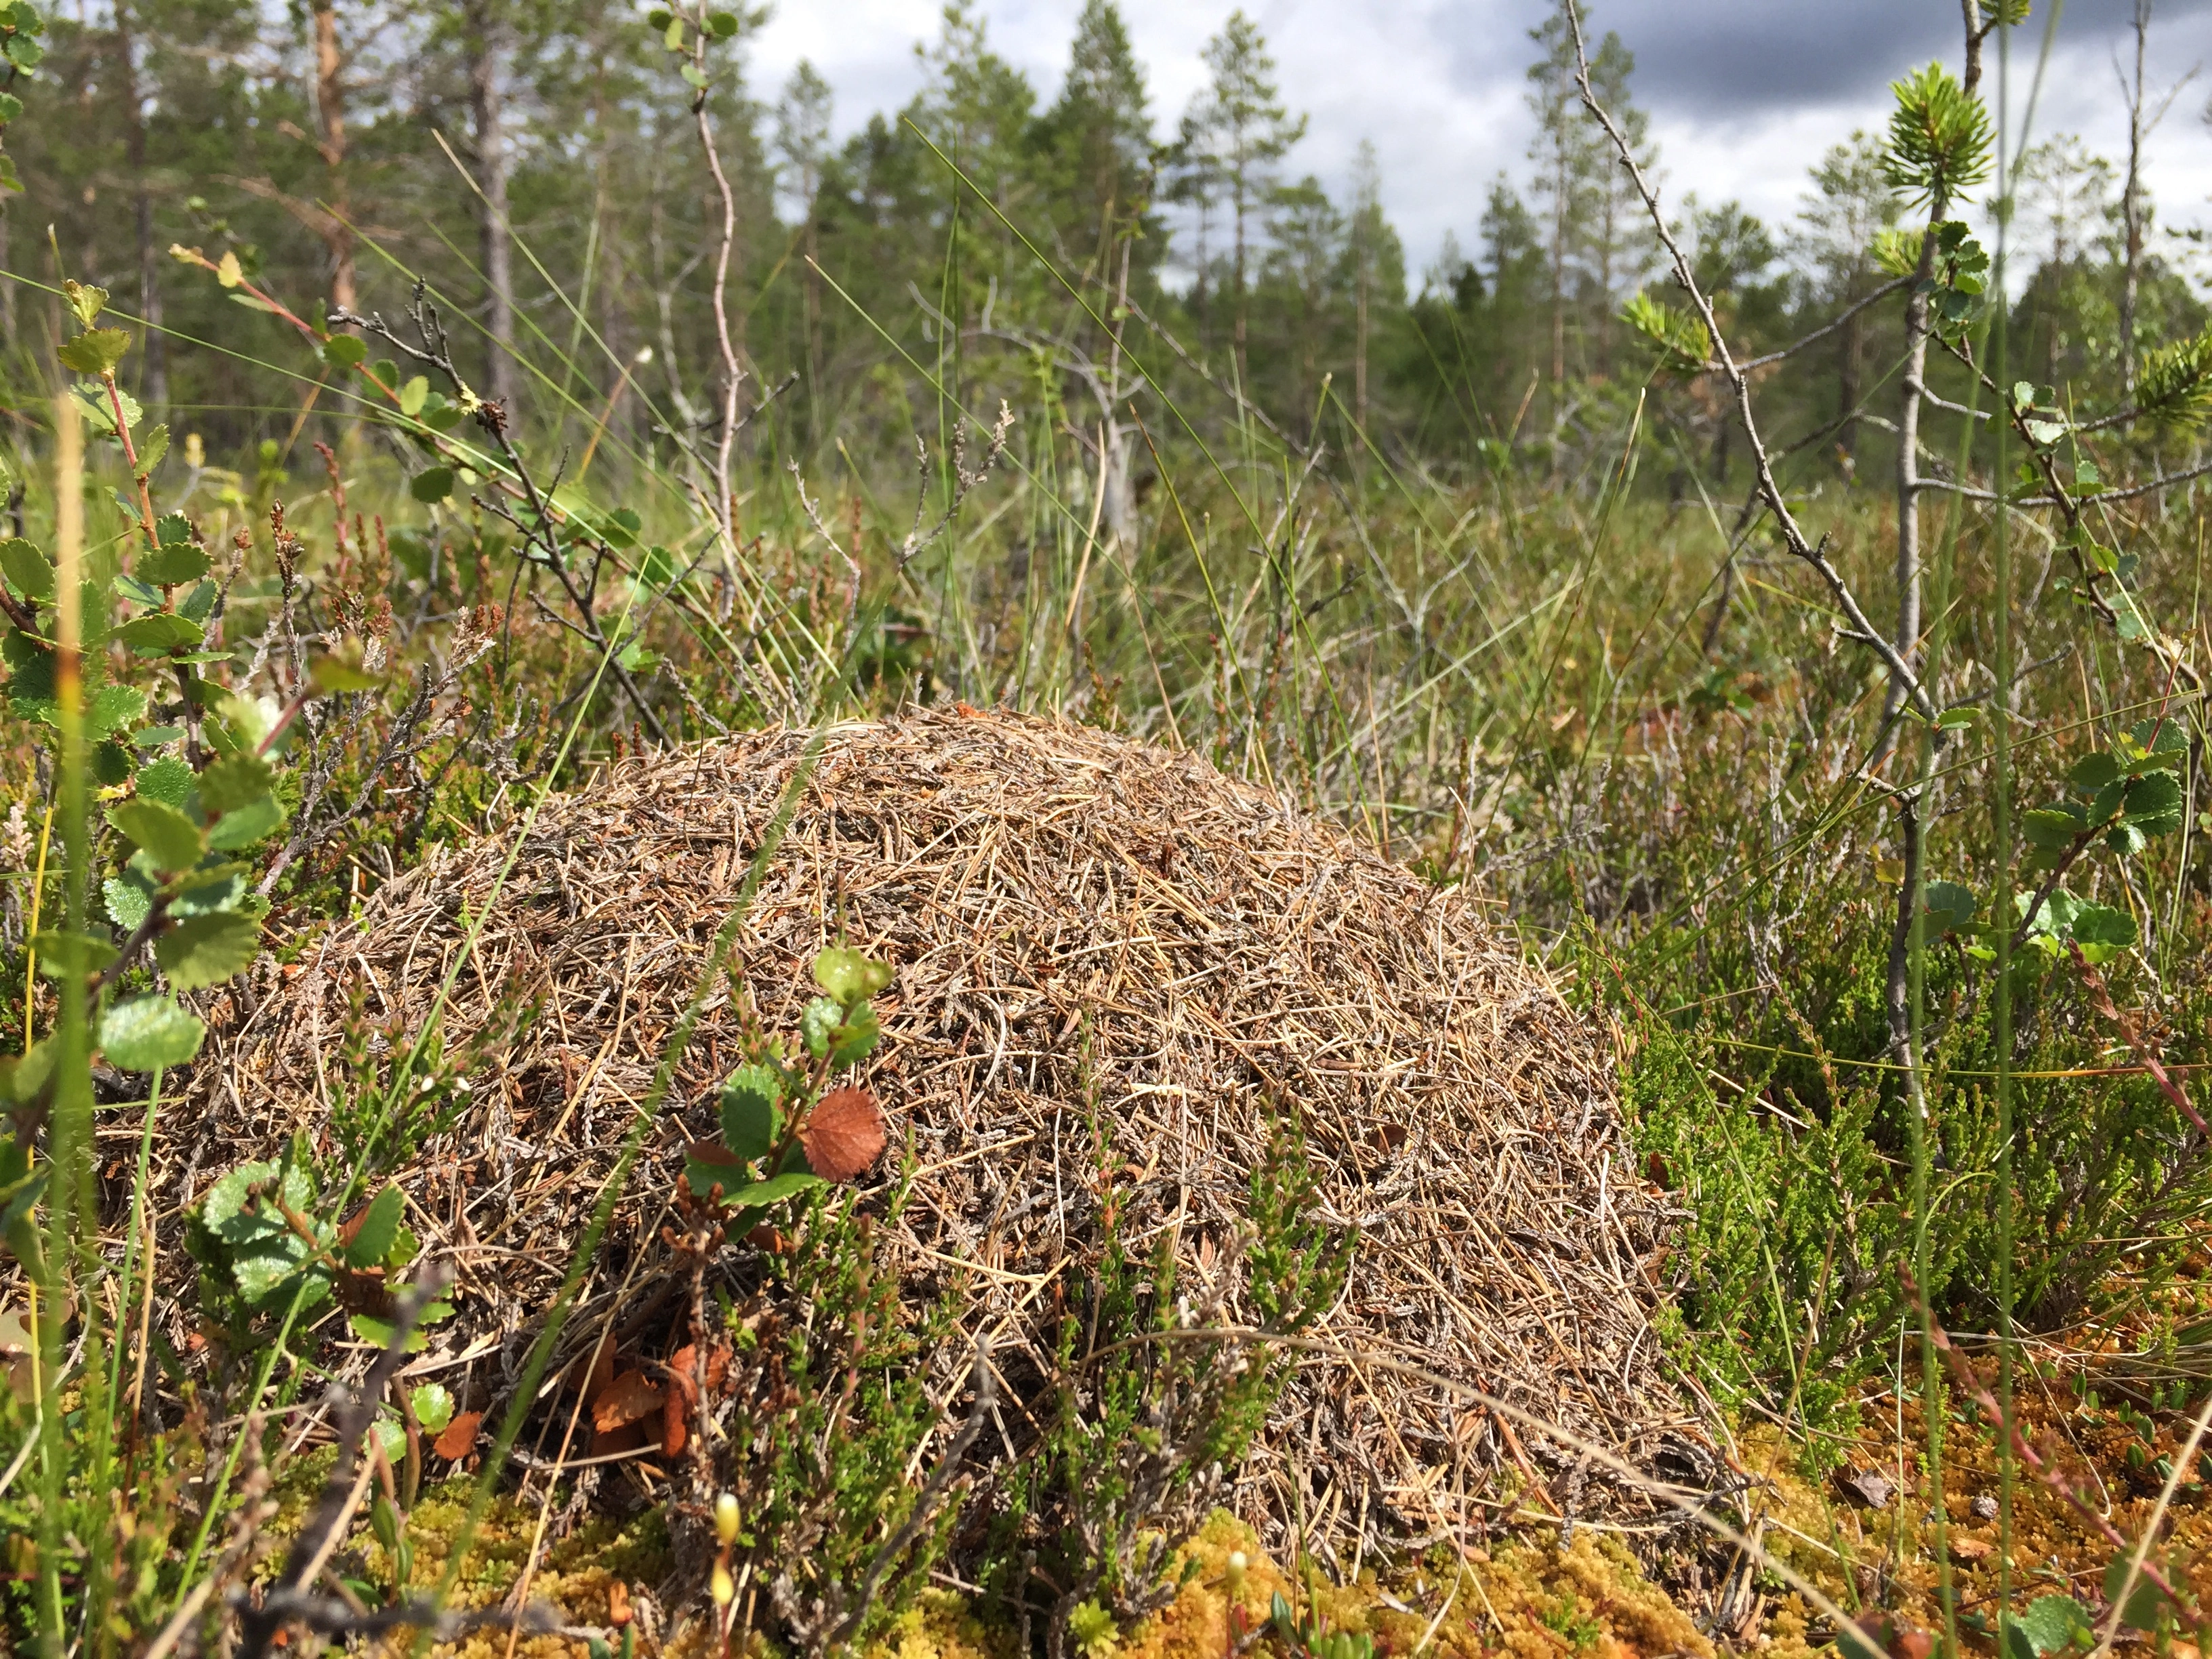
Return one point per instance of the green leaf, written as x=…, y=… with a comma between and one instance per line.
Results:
x=848, y=975
x=621, y=528
x=25, y=53
x=344, y=351
x=209, y=949
x=723, y=24
x=818, y=1024
x=2044, y=433
x=29, y=572
x=432, y=1407
x=1950, y=907
x=225, y=1204
x=2052, y=827
x=170, y=839
x=411, y=396
x=672, y=36
x=147, y=1033
x=773, y=1190
x=236, y=780
x=1953, y=719
x=21, y=1079
x=432, y=485
x=2154, y=803
x=157, y=633
x=11, y=107
x=2049, y=1624
x=856, y=1037
x=222, y=887
x=377, y=1332
x=111, y=708
x=244, y=826
x=379, y=1225
x=2162, y=743
x=705, y=1167
x=2102, y=932
x=658, y=568
x=267, y=1254
x=2147, y=1604
x=341, y=670
x=61, y=952
x=96, y=351
x=171, y=565
x=128, y=902
x=2094, y=772
x=750, y=1120
x=151, y=449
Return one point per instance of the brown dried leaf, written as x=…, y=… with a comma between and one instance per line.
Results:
x=627, y=1437
x=602, y=1374
x=459, y=1438
x=618, y=1608
x=625, y=1399
x=843, y=1134
x=674, y=1433
x=1868, y=1486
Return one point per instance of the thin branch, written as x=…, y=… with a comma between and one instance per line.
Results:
x=1792, y=534
x=1829, y=327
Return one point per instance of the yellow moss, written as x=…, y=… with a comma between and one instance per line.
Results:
x=1195, y=1624
x=941, y=1625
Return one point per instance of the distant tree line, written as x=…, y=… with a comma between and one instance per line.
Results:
x=540, y=166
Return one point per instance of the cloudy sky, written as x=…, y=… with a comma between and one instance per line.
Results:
x=1744, y=94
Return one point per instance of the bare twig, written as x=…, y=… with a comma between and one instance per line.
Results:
x=1828, y=327
x=1792, y=534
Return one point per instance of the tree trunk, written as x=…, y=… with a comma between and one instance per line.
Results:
x=1359, y=342
x=1121, y=504
x=155, y=388
x=1848, y=372
x=2132, y=209
x=486, y=32
x=1242, y=377
x=329, y=118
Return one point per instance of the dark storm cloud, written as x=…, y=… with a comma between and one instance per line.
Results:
x=1733, y=60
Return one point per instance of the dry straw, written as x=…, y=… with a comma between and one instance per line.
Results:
x=1090, y=934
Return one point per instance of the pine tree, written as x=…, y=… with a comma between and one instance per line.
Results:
x=1594, y=230
x=1306, y=260
x=1102, y=132
x=1620, y=243
x=1245, y=129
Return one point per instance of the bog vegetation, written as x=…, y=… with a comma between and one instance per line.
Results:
x=1798, y=629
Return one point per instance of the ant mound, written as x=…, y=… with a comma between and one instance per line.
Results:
x=1124, y=984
